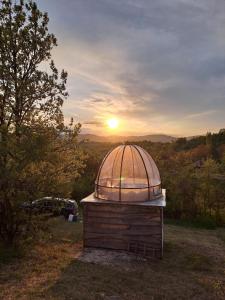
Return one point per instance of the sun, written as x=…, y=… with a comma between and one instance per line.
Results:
x=113, y=123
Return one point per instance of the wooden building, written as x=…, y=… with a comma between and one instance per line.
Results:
x=126, y=210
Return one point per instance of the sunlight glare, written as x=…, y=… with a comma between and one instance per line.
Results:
x=113, y=123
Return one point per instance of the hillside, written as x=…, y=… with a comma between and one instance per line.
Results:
x=192, y=268
x=163, y=138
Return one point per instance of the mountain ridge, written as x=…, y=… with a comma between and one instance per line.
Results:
x=163, y=138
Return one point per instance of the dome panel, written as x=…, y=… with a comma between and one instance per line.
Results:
x=153, y=172
x=140, y=173
x=108, y=169
x=116, y=172
x=133, y=174
x=128, y=174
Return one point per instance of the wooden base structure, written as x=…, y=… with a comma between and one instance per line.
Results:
x=133, y=227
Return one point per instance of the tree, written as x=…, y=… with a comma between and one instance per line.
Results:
x=38, y=153
x=84, y=185
x=26, y=92
x=208, y=185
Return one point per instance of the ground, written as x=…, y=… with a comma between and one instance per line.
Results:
x=193, y=267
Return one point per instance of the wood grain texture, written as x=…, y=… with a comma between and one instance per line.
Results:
x=127, y=227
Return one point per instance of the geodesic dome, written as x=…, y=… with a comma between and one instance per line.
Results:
x=128, y=174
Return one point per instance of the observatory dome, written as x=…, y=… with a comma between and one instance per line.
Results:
x=128, y=174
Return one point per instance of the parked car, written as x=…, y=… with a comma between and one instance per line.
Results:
x=51, y=205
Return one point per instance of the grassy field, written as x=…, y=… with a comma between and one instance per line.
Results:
x=193, y=267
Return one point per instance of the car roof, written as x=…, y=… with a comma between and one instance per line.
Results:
x=57, y=199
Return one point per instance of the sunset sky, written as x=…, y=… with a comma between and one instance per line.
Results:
x=156, y=66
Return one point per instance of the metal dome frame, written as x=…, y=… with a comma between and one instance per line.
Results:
x=149, y=187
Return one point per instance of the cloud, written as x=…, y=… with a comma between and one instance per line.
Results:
x=157, y=65
x=95, y=123
x=201, y=114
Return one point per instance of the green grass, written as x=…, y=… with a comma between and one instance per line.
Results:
x=193, y=267
x=198, y=222
x=9, y=255
x=198, y=262
x=63, y=231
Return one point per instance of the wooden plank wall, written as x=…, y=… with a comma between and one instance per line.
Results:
x=124, y=227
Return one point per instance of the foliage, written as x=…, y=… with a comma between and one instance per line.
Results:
x=84, y=185
x=39, y=155
x=28, y=93
x=193, y=174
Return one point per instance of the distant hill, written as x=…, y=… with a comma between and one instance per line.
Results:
x=163, y=138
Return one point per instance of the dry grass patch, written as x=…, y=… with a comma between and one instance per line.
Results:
x=192, y=268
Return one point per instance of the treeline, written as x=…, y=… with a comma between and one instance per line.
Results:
x=192, y=171
x=214, y=141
